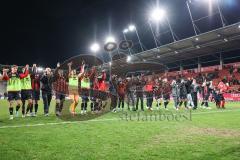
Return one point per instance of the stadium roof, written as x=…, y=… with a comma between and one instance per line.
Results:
x=220, y=40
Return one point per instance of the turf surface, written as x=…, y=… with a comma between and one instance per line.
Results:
x=211, y=134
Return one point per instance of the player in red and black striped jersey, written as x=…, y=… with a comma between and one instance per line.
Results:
x=61, y=88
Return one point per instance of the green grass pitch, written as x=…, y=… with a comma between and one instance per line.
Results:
x=210, y=135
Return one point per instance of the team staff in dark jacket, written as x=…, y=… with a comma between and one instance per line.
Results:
x=140, y=82
x=47, y=81
x=195, y=90
x=183, y=93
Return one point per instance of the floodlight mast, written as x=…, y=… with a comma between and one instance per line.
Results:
x=158, y=15
x=191, y=17
x=132, y=28
x=125, y=38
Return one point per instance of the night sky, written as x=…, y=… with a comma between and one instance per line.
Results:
x=48, y=31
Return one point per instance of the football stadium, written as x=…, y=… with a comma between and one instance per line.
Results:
x=109, y=79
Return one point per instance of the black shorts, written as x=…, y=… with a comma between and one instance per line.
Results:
x=14, y=96
x=36, y=95
x=26, y=94
x=85, y=92
x=183, y=96
x=103, y=95
x=60, y=96
x=166, y=97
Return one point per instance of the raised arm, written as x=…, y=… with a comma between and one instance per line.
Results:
x=69, y=68
x=5, y=75
x=93, y=72
x=81, y=70
x=25, y=74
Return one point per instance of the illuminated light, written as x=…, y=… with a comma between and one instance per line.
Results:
x=131, y=28
x=95, y=47
x=157, y=15
x=158, y=56
x=125, y=31
x=225, y=39
x=110, y=39
x=39, y=69
x=239, y=26
x=110, y=63
x=197, y=39
x=129, y=58
x=176, y=52
x=197, y=46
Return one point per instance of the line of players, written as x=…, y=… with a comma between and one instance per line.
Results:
x=26, y=85
x=183, y=91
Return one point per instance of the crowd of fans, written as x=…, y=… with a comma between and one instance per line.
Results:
x=94, y=87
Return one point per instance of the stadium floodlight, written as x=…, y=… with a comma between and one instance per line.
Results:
x=95, y=47
x=125, y=31
x=131, y=28
x=110, y=39
x=129, y=58
x=157, y=15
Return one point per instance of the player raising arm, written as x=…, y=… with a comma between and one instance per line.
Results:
x=73, y=85
x=14, y=86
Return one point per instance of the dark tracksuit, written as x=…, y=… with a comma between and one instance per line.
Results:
x=130, y=96
x=194, y=91
x=46, y=91
x=175, y=94
x=139, y=92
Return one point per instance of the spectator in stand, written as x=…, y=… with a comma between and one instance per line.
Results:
x=231, y=69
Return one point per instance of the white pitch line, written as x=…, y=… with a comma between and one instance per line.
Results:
x=96, y=120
